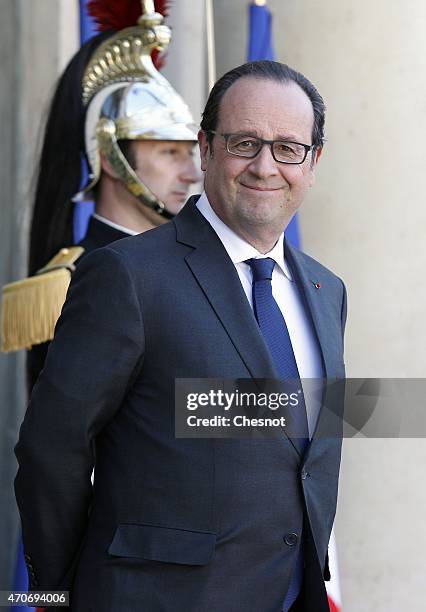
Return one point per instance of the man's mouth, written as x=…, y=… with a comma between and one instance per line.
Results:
x=261, y=187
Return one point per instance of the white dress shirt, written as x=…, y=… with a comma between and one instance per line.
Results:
x=285, y=292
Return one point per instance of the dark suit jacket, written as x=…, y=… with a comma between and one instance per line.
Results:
x=98, y=234
x=171, y=524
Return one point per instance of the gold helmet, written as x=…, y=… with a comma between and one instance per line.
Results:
x=126, y=98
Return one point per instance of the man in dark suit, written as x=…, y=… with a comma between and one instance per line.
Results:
x=194, y=525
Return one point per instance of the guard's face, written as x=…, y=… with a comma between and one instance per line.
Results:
x=248, y=193
x=167, y=168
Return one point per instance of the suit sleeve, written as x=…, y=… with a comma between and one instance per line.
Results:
x=97, y=349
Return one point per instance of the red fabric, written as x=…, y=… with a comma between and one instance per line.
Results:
x=333, y=607
x=119, y=14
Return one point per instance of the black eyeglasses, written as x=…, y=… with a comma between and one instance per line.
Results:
x=283, y=151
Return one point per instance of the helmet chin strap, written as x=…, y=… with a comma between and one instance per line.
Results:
x=108, y=144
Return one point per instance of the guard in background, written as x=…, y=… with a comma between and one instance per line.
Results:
x=113, y=110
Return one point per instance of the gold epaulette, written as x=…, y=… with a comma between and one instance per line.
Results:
x=31, y=307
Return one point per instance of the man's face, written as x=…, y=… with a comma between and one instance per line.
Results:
x=167, y=168
x=251, y=193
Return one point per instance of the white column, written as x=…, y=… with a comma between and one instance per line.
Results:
x=185, y=66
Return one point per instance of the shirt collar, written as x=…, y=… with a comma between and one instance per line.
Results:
x=116, y=226
x=237, y=248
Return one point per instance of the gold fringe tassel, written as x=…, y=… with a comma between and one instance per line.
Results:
x=31, y=308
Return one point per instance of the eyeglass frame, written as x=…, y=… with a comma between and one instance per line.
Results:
x=271, y=143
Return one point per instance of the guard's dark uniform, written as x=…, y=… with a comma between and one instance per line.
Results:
x=98, y=235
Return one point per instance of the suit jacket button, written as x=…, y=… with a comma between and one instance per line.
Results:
x=291, y=539
x=304, y=474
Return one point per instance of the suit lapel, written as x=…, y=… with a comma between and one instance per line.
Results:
x=319, y=299
x=220, y=283
x=316, y=303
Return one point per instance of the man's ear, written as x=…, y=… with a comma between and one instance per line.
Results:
x=204, y=149
x=108, y=169
x=318, y=153
x=314, y=162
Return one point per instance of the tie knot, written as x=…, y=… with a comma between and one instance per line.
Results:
x=261, y=268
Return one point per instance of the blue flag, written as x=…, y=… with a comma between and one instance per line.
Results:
x=21, y=578
x=260, y=35
x=87, y=25
x=83, y=210
x=260, y=47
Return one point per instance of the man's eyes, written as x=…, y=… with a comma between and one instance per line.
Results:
x=248, y=143
x=253, y=143
x=177, y=152
x=283, y=147
x=170, y=151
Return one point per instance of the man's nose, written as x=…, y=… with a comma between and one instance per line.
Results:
x=264, y=165
x=190, y=172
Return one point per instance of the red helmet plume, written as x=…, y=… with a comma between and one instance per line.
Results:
x=119, y=14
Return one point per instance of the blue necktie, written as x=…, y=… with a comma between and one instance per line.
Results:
x=274, y=330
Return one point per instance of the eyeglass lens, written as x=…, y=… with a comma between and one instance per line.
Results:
x=248, y=146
